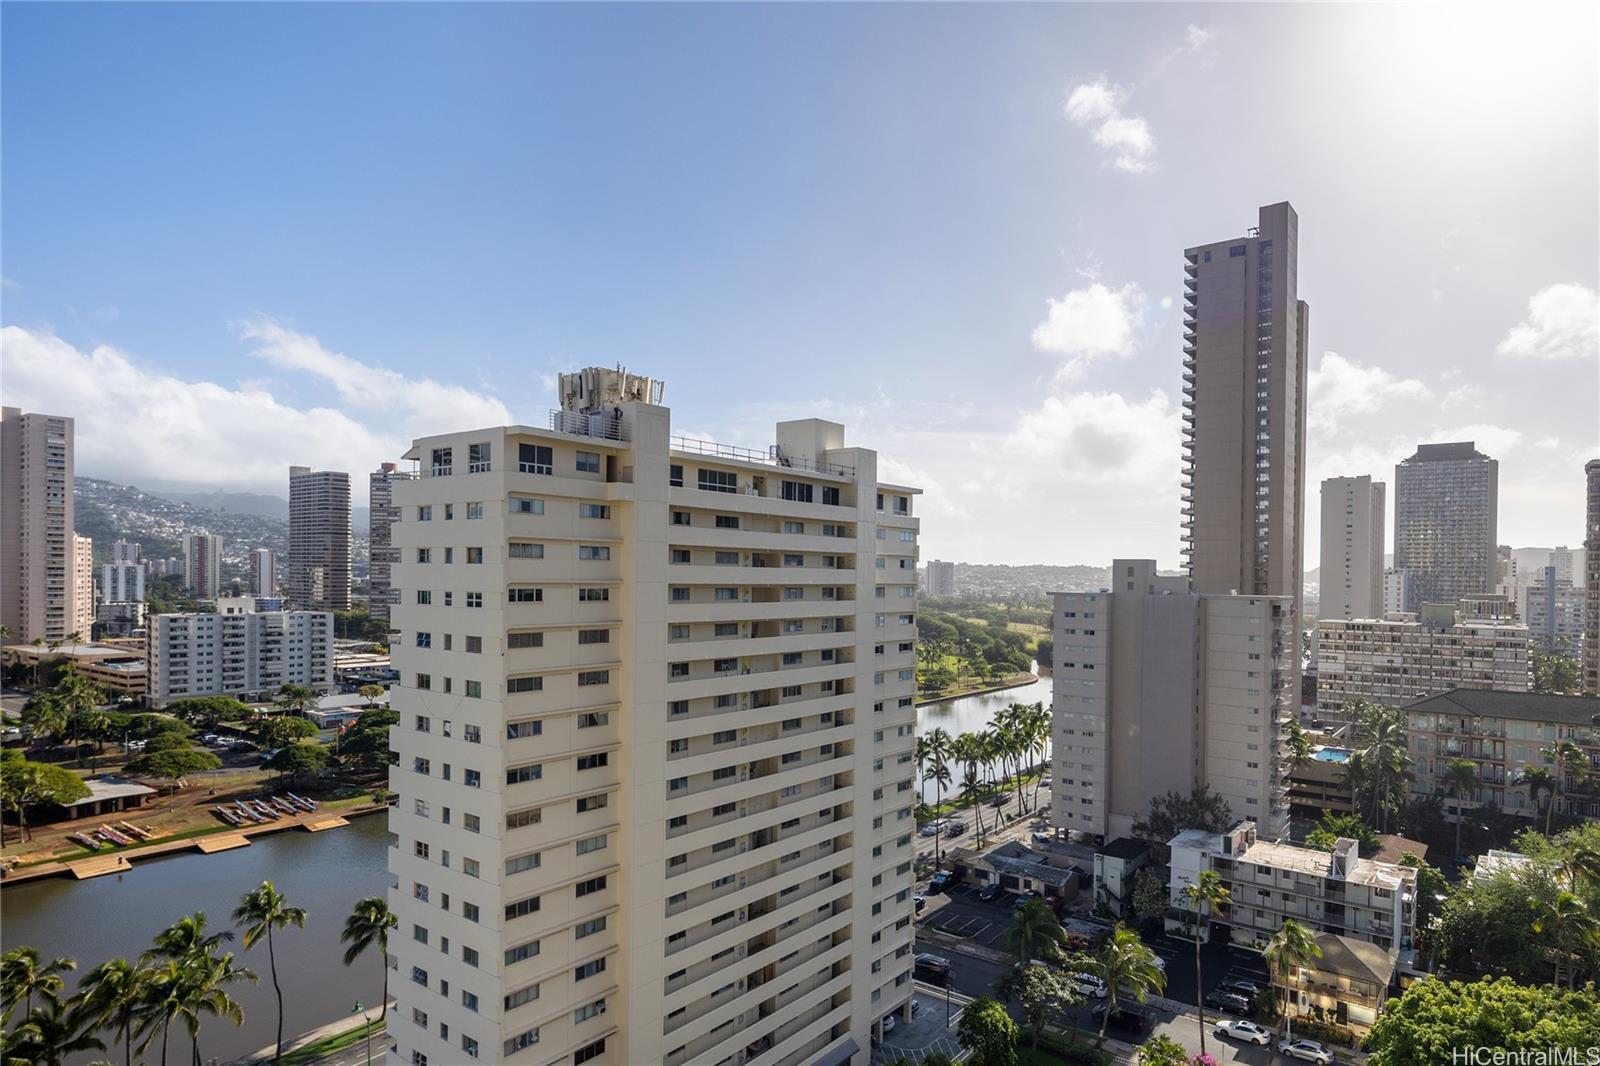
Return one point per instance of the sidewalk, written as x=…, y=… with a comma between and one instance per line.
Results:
x=343, y=1025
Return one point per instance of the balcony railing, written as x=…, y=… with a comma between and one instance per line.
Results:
x=773, y=456
x=588, y=424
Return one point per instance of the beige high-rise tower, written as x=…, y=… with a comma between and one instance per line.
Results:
x=319, y=539
x=656, y=753
x=1352, y=548
x=1244, y=411
x=38, y=556
x=381, y=516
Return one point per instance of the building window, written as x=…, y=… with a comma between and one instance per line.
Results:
x=675, y=475
x=519, y=863
x=525, y=639
x=593, y=677
x=474, y=644
x=594, y=595
x=516, y=595
x=594, y=552
x=524, y=684
x=591, y=844
x=591, y=886
x=588, y=462
x=591, y=719
x=590, y=1010
x=719, y=481
x=425, y=513
x=589, y=969
x=474, y=690
x=474, y=510
x=727, y=521
x=523, y=730
x=593, y=510
x=523, y=549
x=521, y=952
x=589, y=1051
x=535, y=459
x=521, y=1040
x=516, y=775
x=591, y=803
x=799, y=491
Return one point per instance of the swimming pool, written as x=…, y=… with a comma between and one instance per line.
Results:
x=1331, y=755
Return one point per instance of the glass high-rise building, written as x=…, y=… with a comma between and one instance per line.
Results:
x=1446, y=500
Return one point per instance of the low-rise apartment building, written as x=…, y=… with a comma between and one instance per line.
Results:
x=656, y=768
x=1502, y=732
x=1337, y=892
x=119, y=668
x=1159, y=688
x=246, y=654
x=1392, y=661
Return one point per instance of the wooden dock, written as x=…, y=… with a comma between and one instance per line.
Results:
x=317, y=825
x=99, y=865
x=222, y=843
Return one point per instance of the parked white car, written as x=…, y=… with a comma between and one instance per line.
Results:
x=1309, y=1050
x=889, y=1022
x=1240, y=1029
x=1089, y=985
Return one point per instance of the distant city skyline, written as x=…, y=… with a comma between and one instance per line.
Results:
x=972, y=216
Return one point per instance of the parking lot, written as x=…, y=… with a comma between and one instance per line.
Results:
x=958, y=912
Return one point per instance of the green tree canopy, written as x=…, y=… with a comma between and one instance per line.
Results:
x=1554, y=672
x=300, y=760
x=1163, y=1051
x=1333, y=826
x=1174, y=812
x=24, y=784
x=280, y=732
x=173, y=763
x=1436, y=1017
x=987, y=1031
x=205, y=712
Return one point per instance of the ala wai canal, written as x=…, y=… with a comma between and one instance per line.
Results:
x=325, y=873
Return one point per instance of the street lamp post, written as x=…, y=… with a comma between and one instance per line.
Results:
x=366, y=1023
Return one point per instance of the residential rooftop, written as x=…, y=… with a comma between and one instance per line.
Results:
x=1528, y=706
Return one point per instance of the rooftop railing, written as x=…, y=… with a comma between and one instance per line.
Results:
x=773, y=456
x=588, y=424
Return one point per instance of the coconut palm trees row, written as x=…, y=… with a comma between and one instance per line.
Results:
x=182, y=980
x=1018, y=738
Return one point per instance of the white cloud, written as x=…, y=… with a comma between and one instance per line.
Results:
x=1098, y=105
x=1563, y=323
x=1341, y=387
x=241, y=437
x=1197, y=37
x=1090, y=322
x=1469, y=395
x=419, y=406
x=1100, y=439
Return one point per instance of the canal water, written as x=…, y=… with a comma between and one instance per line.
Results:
x=973, y=714
x=325, y=873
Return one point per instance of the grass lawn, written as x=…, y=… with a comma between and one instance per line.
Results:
x=318, y=1049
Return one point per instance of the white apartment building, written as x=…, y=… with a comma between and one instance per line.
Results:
x=124, y=551
x=1352, y=547
x=245, y=653
x=381, y=516
x=122, y=582
x=263, y=572
x=38, y=574
x=202, y=565
x=1392, y=661
x=1338, y=892
x=1160, y=688
x=1552, y=608
x=941, y=579
x=82, y=586
x=656, y=774
x=1396, y=591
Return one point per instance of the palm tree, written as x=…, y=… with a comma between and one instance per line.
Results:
x=369, y=923
x=972, y=796
x=1037, y=722
x=1036, y=934
x=967, y=749
x=45, y=715
x=1126, y=960
x=110, y=993
x=38, y=658
x=294, y=699
x=938, y=772
x=1206, y=894
x=52, y=1031
x=184, y=938
x=262, y=910
x=1569, y=761
x=1537, y=779
x=1571, y=927
x=79, y=696
x=1461, y=778
x=1290, y=948
x=24, y=974
x=1382, y=737
x=203, y=993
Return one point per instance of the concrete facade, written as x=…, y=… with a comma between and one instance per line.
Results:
x=122, y=582
x=263, y=572
x=82, y=586
x=941, y=578
x=1396, y=592
x=656, y=744
x=202, y=565
x=38, y=578
x=1339, y=893
x=1159, y=688
x=245, y=653
x=1353, y=523
x=1446, y=507
x=1390, y=662
x=1553, y=610
x=319, y=539
x=381, y=554
x=1503, y=732
x=1591, y=578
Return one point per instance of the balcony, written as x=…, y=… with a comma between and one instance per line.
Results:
x=596, y=425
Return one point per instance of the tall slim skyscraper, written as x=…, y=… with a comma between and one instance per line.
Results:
x=941, y=580
x=319, y=539
x=656, y=761
x=1353, y=524
x=1591, y=568
x=202, y=565
x=124, y=551
x=82, y=586
x=122, y=582
x=1446, y=500
x=1244, y=411
x=263, y=572
x=38, y=575
x=382, y=555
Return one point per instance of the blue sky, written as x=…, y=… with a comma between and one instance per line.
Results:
x=304, y=233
